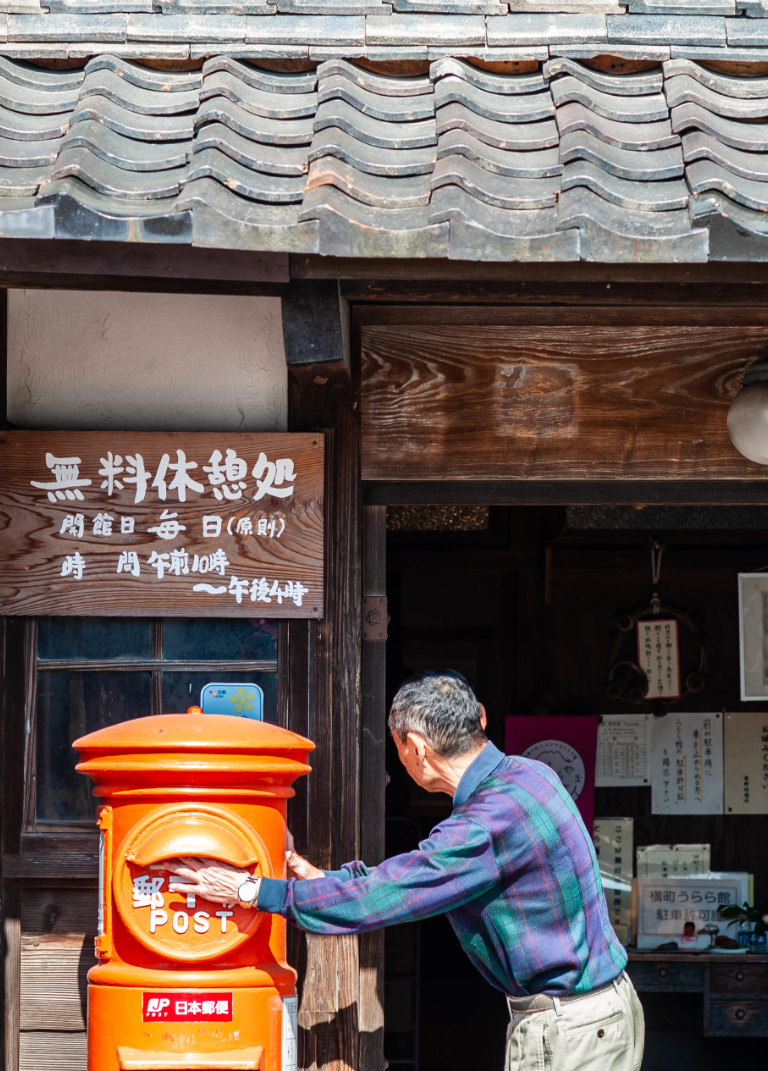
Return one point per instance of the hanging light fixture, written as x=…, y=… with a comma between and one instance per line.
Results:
x=748, y=414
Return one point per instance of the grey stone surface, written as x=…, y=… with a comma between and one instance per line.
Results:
x=451, y=7
x=222, y=220
x=542, y=163
x=133, y=124
x=735, y=232
x=97, y=7
x=426, y=29
x=626, y=193
x=495, y=189
x=522, y=29
x=649, y=166
x=390, y=109
x=333, y=7
x=92, y=49
x=35, y=101
x=20, y=126
x=127, y=94
x=288, y=161
x=257, y=101
x=563, y=7
x=126, y=153
x=700, y=146
x=479, y=231
x=256, y=128
x=525, y=108
x=721, y=55
x=704, y=175
x=666, y=29
x=22, y=7
x=215, y=7
x=739, y=88
x=379, y=191
x=14, y=153
x=372, y=159
x=117, y=182
x=110, y=28
x=657, y=53
x=539, y=53
x=622, y=85
x=347, y=30
x=20, y=218
x=374, y=131
x=349, y=228
x=485, y=81
x=260, y=78
x=750, y=137
x=638, y=136
x=210, y=49
x=623, y=109
x=17, y=51
x=39, y=78
x=376, y=83
x=684, y=89
x=610, y=234
x=142, y=76
x=186, y=28
x=682, y=7
x=514, y=136
x=750, y=32
x=380, y=55
x=254, y=185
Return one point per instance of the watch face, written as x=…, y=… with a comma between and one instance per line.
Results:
x=247, y=892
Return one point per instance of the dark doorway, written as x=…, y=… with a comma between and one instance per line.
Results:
x=524, y=601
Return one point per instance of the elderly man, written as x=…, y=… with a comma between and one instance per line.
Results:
x=514, y=870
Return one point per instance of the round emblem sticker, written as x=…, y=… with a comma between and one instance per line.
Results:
x=564, y=760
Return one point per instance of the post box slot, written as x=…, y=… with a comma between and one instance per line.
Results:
x=251, y=1059
x=193, y=834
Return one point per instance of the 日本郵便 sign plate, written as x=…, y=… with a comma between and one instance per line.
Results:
x=186, y=1007
x=148, y=524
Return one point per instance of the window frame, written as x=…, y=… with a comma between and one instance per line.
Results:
x=155, y=665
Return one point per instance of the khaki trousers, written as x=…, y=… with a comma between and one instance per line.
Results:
x=603, y=1031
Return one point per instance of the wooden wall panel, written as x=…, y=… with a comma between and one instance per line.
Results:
x=54, y=981
x=49, y=1049
x=518, y=401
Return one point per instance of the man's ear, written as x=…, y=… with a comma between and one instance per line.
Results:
x=417, y=744
x=483, y=717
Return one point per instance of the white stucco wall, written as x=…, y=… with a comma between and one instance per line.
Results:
x=145, y=362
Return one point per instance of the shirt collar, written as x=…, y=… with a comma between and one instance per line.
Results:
x=486, y=762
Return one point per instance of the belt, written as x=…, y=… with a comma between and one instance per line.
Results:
x=542, y=1002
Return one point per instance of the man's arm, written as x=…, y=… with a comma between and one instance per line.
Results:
x=453, y=866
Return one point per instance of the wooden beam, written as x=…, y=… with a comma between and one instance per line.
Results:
x=316, y=331
x=127, y=266
x=554, y=402
x=567, y=492
x=321, y=699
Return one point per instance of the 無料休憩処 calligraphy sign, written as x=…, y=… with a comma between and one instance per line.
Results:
x=135, y=523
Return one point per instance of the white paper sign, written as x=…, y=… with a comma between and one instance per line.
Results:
x=613, y=848
x=623, y=750
x=666, y=904
x=657, y=655
x=687, y=764
x=672, y=860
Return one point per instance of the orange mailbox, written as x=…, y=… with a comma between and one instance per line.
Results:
x=181, y=982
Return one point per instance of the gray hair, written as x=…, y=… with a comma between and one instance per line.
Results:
x=440, y=706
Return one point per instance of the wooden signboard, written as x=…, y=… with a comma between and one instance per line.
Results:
x=151, y=524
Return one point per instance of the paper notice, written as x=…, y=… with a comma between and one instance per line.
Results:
x=623, y=750
x=745, y=745
x=687, y=764
x=613, y=848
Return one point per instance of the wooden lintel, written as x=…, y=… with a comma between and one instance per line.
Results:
x=100, y=265
x=568, y=492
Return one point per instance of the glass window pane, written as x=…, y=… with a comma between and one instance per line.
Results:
x=182, y=690
x=118, y=638
x=219, y=639
x=68, y=706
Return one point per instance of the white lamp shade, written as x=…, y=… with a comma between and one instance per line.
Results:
x=748, y=422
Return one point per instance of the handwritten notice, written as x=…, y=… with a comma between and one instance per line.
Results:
x=115, y=523
x=657, y=655
x=623, y=750
x=613, y=848
x=745, y=745
x=687, y=764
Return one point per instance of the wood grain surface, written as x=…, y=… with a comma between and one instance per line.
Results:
x=526, y=402
x=40, y=538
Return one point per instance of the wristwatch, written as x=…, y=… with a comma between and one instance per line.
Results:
x=248, y=893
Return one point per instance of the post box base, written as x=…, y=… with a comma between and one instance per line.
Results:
x=142, y=1029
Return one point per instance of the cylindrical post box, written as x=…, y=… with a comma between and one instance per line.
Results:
x=181, y=982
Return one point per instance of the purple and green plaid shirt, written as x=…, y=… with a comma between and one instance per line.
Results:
x=513, y=868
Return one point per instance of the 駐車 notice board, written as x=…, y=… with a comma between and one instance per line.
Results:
x=148, y=524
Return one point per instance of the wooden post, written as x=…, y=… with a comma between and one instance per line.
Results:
x=373, y=740
x=320, y=696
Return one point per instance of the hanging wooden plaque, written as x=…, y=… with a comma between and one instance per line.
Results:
x=156, y=524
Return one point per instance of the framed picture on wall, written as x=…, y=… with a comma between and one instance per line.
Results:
x=753, y=635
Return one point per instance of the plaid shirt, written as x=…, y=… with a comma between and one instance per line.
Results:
x=513, y=868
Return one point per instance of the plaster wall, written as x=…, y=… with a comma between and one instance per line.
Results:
x=92, y=360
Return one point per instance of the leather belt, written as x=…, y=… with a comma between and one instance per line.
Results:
x=543, y=1002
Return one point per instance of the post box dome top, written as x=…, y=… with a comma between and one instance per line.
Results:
x=191, y=732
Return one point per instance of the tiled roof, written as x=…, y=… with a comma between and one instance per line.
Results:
x=562, y=163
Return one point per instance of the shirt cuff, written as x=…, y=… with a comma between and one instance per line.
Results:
x=271, y=895
x=340, y=875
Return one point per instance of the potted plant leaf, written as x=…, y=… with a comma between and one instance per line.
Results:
x=752, y=924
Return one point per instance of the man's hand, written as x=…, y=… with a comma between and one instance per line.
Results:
x=213, y=880
x=298, y=867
